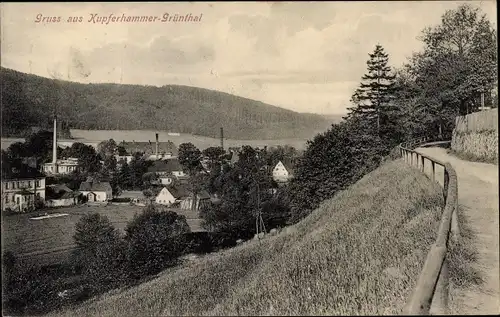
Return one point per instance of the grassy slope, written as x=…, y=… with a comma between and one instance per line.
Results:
x=358, y=253
x=29, y=100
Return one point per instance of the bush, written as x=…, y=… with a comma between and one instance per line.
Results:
x=155, y=239
x=199, y=242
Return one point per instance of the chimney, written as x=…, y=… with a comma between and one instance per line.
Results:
x=54, y=145
x=156, y=145
x=222, y=137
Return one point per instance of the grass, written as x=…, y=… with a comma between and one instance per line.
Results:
x=49, y=241
x=462, y=256
x=360, y=252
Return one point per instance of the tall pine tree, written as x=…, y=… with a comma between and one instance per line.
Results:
x=372, y=100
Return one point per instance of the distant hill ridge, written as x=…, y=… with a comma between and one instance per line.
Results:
x=29, y=100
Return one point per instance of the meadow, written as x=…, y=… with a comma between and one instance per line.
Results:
x=48, y=241
x=359, y=253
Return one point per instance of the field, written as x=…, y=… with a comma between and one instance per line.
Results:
x=359, y=253
x=93, y=137
x=48, y=241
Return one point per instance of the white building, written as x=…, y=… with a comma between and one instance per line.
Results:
x=282, y=172
x=20, y=191
x=96, y=191
x=59, y=167
x=170, y=195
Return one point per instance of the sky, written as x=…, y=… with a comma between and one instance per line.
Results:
x=304, y=56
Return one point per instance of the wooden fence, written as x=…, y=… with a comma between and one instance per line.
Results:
x=430, y=295
x=478, y=121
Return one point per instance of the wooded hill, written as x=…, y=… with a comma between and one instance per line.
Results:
x=29, y=101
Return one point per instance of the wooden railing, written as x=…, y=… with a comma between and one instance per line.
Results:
x=430, y=295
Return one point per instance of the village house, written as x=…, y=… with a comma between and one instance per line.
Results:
x=22, y=187
x=96, y=191
x=121, y=159
x=135, y=197
x=202, y=199
x=152, y=151
x=283, y=171
x=60, y=195
x=167, y=170
x=171, y=195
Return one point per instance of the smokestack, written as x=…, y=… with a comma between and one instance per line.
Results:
x=156, y=145
x=54, y=145
x=222, y=137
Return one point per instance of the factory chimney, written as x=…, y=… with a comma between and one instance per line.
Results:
x=222, y=137
x=156, y=145
x=54, y=144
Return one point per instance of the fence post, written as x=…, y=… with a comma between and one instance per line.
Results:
x=455, y=230
x=433, y=171
x=411, y=158
x=439, y=304
x=445, y=185
x=423, y=167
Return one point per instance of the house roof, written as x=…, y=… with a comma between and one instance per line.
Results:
x=20, y=171
x=288, y=165
x=204, y=195
x=169, y=166
x=95, y=187
x=178, y=191
x=149, y=147
x=131, y=194
x=59, y=191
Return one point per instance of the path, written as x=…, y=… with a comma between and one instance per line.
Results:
x=478, y=197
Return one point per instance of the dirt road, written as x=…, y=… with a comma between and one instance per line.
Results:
x=478, y=194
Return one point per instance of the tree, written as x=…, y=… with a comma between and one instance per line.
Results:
x=245, y=190
x=107, y=148
x=138, y=167
x=190, y=158
x=155, y=239
x=98, y=249
x=88, y=160
x=121, y=150
x=215, y=155
x=124, y=179
x=457, y=65
x=332, y=161
x=371, y=99
x=109, y=168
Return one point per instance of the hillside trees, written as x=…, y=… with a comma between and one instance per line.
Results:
x=458, y=64
x=332, y=161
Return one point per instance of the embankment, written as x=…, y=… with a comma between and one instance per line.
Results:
x=475, y=136
x=360, y=252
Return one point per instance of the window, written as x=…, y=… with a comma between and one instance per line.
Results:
x=29, y=184
x=17, y=200
x=13, y=199
x=7, y=185
x=37, y=183
x=17, y=185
